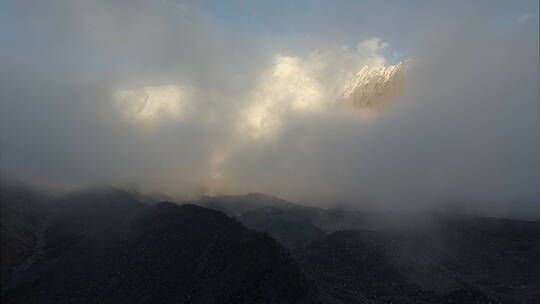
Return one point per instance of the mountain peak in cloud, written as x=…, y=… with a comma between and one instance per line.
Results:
x=372, y=87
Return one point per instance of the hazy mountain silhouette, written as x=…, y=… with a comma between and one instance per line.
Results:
x=433, y=258
x=104, y=245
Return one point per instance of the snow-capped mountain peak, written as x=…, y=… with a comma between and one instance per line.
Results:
x=372, y=87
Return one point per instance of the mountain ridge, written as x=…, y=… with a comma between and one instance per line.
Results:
x=374, y=87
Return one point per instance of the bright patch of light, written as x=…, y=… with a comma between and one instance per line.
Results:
x=311, y=83
x=286, y=87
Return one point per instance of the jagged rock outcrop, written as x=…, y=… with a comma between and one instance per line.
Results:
x=373, y=87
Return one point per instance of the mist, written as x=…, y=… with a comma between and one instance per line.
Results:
x=169, y=98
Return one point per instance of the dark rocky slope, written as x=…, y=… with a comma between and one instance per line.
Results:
x=23, y=220
x=105, y=247
x=283, y=225
x=448, y=260
x=422, y=258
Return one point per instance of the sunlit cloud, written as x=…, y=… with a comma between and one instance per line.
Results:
x=287, y=86
x=314, y=83
x=166, y=94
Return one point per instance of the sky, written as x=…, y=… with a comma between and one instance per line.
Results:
x=193, y=97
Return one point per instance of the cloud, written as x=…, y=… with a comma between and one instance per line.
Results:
x=524, y=17
x=311, y=83
x=151, y=104
x=164, y=96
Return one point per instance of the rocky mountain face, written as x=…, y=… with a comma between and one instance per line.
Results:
x=455, y=263
x=374, y=87
x=104, y=245
x=23, y=222
x=356, y=257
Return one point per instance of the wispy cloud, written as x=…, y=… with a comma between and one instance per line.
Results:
x=524, y=17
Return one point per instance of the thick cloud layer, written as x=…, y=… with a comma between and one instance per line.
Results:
x=166, y=97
